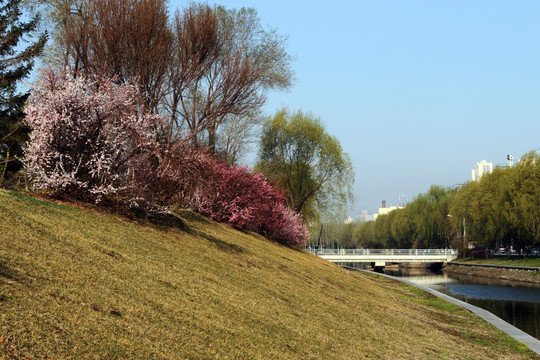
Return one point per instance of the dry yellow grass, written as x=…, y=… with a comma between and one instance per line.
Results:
x=79, y=284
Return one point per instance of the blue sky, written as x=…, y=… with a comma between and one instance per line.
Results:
x=417, y=92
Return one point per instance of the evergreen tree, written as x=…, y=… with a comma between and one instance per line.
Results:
x=16, y=61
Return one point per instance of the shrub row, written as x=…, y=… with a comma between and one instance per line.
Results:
x=92, y=140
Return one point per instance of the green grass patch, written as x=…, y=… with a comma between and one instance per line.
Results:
x=508, y=260
x=419, y=296
x=81, y=284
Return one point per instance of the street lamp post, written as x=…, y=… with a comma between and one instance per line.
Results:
x=464, y=236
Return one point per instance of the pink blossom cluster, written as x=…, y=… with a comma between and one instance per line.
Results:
x=86, y=134
x=237, y=196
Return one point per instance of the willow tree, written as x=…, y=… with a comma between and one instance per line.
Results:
x=487, y=207
x=521, y=208
x=364, y=235
x=431, y=210
x=403, y=228
x=299, y=156
x=460, y=212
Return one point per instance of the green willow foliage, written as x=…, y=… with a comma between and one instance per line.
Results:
x=309, y=165
x=503, y=208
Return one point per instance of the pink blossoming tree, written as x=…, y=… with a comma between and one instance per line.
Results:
x=87, y=135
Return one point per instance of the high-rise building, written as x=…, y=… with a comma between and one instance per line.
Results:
x=483, y=167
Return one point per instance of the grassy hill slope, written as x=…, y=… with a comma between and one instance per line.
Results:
x=79, y=284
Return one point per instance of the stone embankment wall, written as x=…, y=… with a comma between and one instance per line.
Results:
x=526, y=276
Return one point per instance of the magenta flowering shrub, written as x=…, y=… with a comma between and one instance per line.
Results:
x=235, y=195
x=87, y=135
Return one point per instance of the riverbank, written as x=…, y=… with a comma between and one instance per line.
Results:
x=512, y=260
x=518, y=334
x=480, y=270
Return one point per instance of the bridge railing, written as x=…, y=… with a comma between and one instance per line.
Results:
x=411, y=252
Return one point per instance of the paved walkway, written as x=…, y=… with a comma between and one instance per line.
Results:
x=521, y=336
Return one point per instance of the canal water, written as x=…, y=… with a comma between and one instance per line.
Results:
x=516, y=303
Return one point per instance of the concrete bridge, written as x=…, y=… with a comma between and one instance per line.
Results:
x=382, y=256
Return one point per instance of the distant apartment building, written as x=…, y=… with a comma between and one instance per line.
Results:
x=483, y=167
x=363, y=217
x=385, y=210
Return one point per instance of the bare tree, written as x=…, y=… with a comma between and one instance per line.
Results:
x=57, y=17
x=128, y=40
x=196, y=46
x=246, y=62
x=207, y=67
x=237, y=135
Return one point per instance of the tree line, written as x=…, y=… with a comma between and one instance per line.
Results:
x=502, y=209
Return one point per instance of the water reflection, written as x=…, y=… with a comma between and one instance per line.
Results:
x=423, y=276
x=516, y=303
x=523, y=315
x=493, y=292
